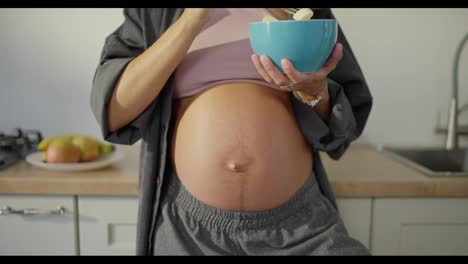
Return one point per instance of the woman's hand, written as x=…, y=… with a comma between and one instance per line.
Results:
x=205, y=17
x=198, y=13
x=198, y=16
x=307, y=85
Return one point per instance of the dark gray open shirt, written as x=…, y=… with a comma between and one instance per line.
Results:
x=350, y=99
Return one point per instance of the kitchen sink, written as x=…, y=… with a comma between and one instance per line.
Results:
x=433, y=161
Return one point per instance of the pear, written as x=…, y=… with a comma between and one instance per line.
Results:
x=62, y=151
x=105, y=149
x=89, y=148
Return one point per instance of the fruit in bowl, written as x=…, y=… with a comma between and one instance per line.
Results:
x=306, y=43
x=61, y=151
x=73, y=149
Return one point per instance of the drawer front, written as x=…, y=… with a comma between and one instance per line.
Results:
x=108, y=225
x=37, y=225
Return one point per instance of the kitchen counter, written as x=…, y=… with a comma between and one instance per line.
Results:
x=119, y=179
x=362, y=172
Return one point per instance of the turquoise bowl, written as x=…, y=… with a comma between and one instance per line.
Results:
x=306, y=43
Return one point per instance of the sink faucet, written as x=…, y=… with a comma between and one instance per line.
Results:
x=453, y=130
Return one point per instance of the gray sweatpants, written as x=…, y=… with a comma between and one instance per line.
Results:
x=307, y=224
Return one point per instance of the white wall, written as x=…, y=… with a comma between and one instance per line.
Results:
x=407, y=57
x=48, y=58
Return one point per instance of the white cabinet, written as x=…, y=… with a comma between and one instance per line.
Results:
x=34, y=225
x=356, y=215
x=107, y=225
x=418, y=226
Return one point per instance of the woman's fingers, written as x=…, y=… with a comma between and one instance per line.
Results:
x=332, y=61
x=291, y=72
x=260, y=69
x=273, y=72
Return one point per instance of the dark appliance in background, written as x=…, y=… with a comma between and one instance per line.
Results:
x=16, y=145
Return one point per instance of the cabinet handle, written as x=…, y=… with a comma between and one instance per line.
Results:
x=7, y=210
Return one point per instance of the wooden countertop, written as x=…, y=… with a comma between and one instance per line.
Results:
x=362, y=172
x=118, y=179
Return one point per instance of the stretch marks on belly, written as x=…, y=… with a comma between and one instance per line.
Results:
x=237, y=147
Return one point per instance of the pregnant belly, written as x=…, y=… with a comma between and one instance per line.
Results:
x=238, y=146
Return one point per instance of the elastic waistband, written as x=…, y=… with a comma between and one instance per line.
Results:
x=227, y=219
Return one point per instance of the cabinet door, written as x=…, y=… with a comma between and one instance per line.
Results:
x=356, y=215
x=420, y=226
x=107, y=225
x=34, y=225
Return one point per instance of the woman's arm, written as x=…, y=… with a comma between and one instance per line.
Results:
x=124, y=104
x=145, y=76
x=323, y=107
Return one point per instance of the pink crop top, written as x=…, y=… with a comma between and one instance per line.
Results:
x=220, y=53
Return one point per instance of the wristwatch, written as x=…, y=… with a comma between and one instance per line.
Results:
x=311, y=103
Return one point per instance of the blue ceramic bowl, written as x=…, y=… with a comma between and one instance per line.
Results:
x=306, y=43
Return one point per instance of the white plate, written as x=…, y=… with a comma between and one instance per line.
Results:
x=36, y=160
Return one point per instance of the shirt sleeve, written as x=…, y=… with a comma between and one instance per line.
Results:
x=120, y=48
x=350, y=102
